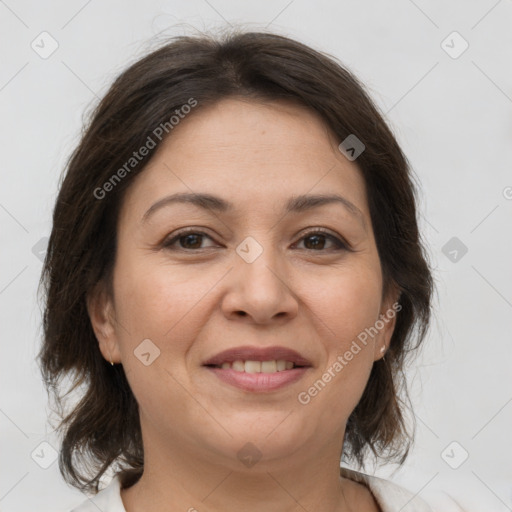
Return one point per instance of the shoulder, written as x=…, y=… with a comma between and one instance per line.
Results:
x=107, y=500
x=389, y=496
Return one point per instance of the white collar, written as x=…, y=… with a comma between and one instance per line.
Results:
x=389, y=496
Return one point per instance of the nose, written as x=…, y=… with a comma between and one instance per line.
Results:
x=260, y=292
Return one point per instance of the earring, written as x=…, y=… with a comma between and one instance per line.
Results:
x=383, y=352
x=110, y=355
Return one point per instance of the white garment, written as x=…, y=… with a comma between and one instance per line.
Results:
x=390, y=496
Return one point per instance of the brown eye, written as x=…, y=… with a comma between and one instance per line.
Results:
x=191, y=241
x=187, y=240
x=317, y=240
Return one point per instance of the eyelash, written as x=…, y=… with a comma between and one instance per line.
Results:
x=341, y=245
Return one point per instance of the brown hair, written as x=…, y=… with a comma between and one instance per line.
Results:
x=103, y=428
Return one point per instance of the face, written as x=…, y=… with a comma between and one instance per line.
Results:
x=257, y=268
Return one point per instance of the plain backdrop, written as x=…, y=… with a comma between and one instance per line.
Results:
x=440, y=71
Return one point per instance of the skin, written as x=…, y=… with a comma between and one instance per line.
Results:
x=199, y=299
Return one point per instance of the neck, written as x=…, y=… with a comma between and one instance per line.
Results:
x=185, y=479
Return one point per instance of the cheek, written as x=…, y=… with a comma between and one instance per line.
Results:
x=160, y=302
x=156, y=302
x=347, y=304
x=346, y=307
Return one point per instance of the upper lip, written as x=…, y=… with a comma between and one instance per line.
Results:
x=248, y=353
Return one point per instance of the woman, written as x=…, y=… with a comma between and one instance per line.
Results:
x=235, y=276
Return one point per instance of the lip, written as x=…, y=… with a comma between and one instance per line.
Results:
x=248, y=353
x=259, y=382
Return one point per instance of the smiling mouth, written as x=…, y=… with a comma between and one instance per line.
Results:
x=249, y=366
x=257, y=369
x=258, y=376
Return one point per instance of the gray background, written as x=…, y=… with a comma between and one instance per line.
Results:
x=451, y=112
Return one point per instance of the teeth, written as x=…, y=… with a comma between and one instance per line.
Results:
x=268, y=366
x=239, y=366
x=252, y=367
x=258, y=366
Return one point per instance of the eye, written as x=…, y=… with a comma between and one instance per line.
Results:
x=191, y=239
x=188, y=240
x=316, y=241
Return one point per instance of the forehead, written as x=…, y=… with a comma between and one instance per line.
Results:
x=252, y=153
x=262, y=130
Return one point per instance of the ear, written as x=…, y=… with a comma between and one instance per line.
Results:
x=386, y=322
x=102, y=315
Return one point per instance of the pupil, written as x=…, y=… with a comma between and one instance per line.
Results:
x=317, y=243
x=188, y=237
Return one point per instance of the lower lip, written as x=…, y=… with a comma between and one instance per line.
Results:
x=259, y=381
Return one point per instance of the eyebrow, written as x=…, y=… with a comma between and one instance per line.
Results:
x=297, y=204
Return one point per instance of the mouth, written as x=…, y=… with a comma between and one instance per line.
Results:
x=251, y=366
x=258, y=369
x=258, y=359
